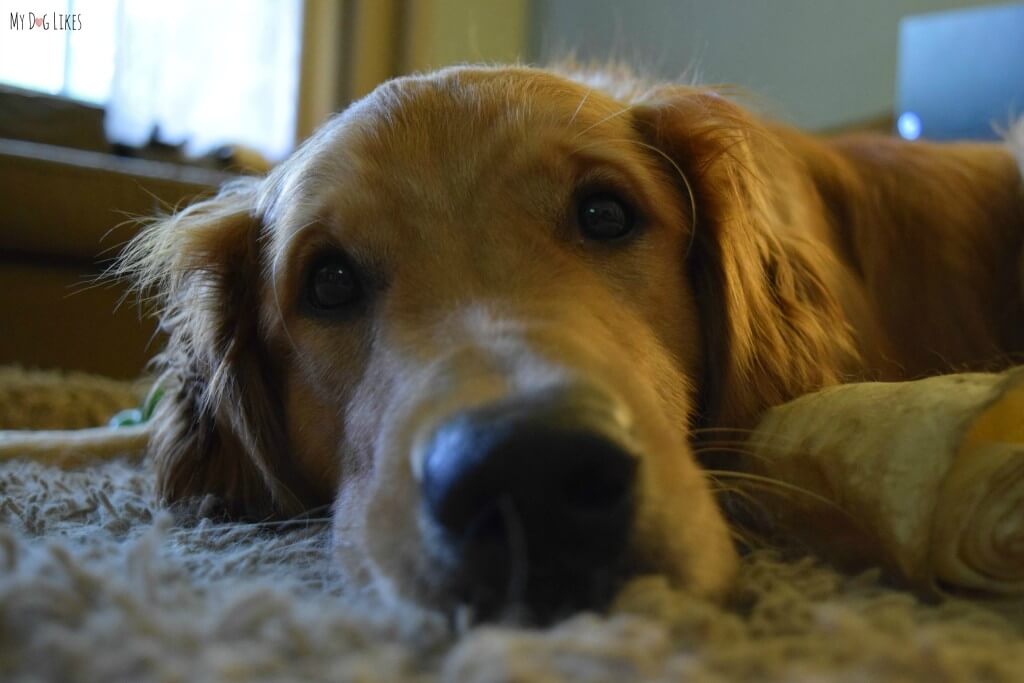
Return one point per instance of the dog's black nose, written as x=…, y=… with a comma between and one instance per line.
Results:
x=535, y=496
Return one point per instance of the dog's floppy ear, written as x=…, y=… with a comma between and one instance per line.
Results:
x=771, y=328
x=217, y=429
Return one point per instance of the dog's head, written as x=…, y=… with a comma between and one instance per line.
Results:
x=481, y=312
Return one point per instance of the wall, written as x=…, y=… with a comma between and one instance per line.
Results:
x=443, y=32
x=819, y=63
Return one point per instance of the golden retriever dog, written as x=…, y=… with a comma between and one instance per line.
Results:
x=486, y=314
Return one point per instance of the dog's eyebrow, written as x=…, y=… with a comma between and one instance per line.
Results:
x=326, y=232
x=311, y=216
x=605, y=174
x=609, y=170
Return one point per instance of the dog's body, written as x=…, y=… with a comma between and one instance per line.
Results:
x=483, y=312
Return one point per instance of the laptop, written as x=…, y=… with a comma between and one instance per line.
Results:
x=961, y=73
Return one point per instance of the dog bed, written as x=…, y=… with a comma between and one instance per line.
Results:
x=98, y=584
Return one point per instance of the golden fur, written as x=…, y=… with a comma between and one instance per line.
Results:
x=770, y=263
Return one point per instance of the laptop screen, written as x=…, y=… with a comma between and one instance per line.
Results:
x=961, y=73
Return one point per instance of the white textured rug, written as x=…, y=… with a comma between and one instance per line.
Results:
x=98, y=584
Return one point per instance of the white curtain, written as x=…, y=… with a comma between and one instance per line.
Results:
x=207, y=73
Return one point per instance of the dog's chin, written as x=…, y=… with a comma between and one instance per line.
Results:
x=424, y=572
x=410, y=566
x=536, y=599
x=551, y=600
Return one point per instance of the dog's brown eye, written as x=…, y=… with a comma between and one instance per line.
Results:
x=332, y=284
x=604, y=217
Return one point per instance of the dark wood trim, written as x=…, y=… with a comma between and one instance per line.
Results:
x=67, y=204
x=50, y=119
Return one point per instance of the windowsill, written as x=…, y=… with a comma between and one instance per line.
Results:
x=143, y=168
x=51, y=119
x=66, y=204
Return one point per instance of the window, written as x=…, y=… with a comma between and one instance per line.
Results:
x=192, y=71
x=75, y=64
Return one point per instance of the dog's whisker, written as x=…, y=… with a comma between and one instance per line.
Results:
x=311, y=521
x=768, y=483
x=769, y=442
x=738, y=445
x=747, y=537
x=739, y=457
x=738, y=492
x=753, y=521
x=579, y=106
x=604, y=120
x=717, y=430
x=689, y=191
x=308, y=517
x=237, y=526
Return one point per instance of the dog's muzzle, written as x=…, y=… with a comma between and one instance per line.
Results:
x=535, y=499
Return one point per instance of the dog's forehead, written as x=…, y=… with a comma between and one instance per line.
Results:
x=453, y=108
x=435, y=146
x=462, y=124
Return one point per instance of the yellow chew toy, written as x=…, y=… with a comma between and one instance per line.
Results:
x=925, y=477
